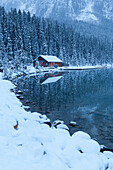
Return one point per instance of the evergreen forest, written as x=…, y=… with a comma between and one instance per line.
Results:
x=24, y=37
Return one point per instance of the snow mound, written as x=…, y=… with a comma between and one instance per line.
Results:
x=34, y=145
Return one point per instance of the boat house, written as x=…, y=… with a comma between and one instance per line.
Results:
x=49, y=61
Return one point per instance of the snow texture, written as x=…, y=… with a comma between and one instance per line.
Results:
x=85, y=10
x=27, y=143
x=51, y=58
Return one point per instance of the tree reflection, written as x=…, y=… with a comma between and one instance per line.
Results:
x=82, y=96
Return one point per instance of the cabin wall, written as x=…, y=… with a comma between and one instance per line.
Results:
x=55, y=63
x=49, y=64
x=44, y=63
x=34, y=63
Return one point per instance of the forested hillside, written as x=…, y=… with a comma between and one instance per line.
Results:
x=23, y=37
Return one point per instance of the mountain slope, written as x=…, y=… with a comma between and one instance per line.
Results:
x=84, y=10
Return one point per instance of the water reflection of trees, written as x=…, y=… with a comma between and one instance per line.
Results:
x=83, y=96
x=73, y=88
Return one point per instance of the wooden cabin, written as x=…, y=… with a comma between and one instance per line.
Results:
x=49, y=61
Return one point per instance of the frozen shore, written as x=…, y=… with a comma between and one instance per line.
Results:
x=30, y=70
x=33, y=145
x=47, y=69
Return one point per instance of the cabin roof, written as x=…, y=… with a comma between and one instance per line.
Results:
x=50, y=58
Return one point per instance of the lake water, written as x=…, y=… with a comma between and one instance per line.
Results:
x=85, y=97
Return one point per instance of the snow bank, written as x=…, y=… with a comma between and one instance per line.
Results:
x=31, y=70
x=84, y=67
x=34, y=145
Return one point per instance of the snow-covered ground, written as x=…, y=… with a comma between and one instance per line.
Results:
x=83, y=67
x=33, y=145
x=31, y=69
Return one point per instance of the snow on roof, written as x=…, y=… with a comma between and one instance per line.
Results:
x=50, y=58
x=52, y=79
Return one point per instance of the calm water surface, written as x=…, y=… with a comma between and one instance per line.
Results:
x=82, y=96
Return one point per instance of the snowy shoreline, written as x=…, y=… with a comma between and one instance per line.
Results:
x=34, y=145
x=87, y=67
x=31, y=70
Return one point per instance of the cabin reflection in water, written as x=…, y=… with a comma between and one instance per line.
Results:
x=85, y=97
x=50, y=78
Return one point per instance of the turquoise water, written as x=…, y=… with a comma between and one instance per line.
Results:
x=82, y=96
